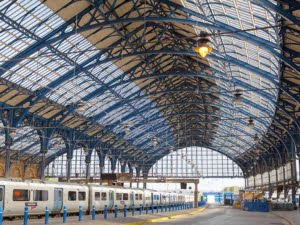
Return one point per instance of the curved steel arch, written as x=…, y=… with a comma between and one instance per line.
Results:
x=209, y=147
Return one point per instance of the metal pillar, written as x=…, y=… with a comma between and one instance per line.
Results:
x=284, y=184
x=43, y=165
x=69, y=165
x=277, y=192
x=294, y=181
x=87, y=170
x=196, y=195
x=100, y=175
x=270, y=186
x=7, y=158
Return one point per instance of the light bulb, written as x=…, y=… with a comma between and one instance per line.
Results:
x=203, y=50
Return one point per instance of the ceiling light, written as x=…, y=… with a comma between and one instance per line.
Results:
x=250, y=123
x=80, y=107
x=154, y=141
x=237, y=98
x=13, y=132
x=202, y=47
x=126, y=128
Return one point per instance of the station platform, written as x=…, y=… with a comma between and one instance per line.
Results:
x=129, y=220
x=212, y=215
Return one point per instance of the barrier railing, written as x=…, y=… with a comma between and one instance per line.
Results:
x=153, y=208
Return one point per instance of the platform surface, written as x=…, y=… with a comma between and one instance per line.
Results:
x=211, y=216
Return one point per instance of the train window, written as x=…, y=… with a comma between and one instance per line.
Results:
x=136, y=196
x=97, y=196
x=125, y=196
x=141, y=196
x=1, y=195
x=103, y=196
x=40, y=195
x=20, y=195
x=119, y=196
x=72, y=196
x=81, y=196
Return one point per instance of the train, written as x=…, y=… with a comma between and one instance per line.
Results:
x=15, y=195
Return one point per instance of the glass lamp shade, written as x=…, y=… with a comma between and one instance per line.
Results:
x=203, y=50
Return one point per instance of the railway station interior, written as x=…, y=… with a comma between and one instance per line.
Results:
x=149, y=111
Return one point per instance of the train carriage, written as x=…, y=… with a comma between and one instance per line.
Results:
x=15, y=195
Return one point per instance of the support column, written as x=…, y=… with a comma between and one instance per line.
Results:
x=138, y=171
x=7, y=158
x=88, y=169
x=276, y=170
x=196, y=195
x=284, y=184
x=69, y=167
x=100, y=175
x=294, y=182
x=270, y=186
x=43, y=165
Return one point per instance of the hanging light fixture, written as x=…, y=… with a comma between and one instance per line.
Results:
x=202, y=47
x=126, y=128
x=250, y=123
x=154, y=141
x=13, y=132
x=256, y=139
x=80, y=107
x=237, y=98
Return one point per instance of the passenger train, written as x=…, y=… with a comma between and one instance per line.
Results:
x=15, y=195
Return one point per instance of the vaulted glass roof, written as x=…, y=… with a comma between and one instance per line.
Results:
x=133, y=63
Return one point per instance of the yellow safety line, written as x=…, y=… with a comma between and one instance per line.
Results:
x=166, y=218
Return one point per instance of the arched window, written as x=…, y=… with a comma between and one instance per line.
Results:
x=195, y=162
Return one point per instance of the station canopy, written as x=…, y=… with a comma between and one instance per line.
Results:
x=126, y=73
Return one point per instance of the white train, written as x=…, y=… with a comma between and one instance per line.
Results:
x=15, y=195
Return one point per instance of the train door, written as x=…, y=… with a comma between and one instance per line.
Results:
x=131, y=199
x=2, y=196
x=111, y=199
x=58, y=199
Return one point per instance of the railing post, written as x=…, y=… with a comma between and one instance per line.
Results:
x=93, y=212
x=141, y=209
x=152, y=209
x=116, y=211
x=1, y=215
x=105, y=212
x=161, y=208
x=80, y=213
x=65, y=214
x=46, y=216
x=125, y=211
x=133, y=209
x=146, y=208
x=25, y=219
x=157, y=208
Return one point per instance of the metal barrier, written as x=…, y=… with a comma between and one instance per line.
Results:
x=80, y=213
x=93, y=212
x=116, y=211
x=25, y=218
x=164, y=208
x=1, y=215
x=46, y=216
x=105, y=212
x=133, y=209
x=65, y=214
